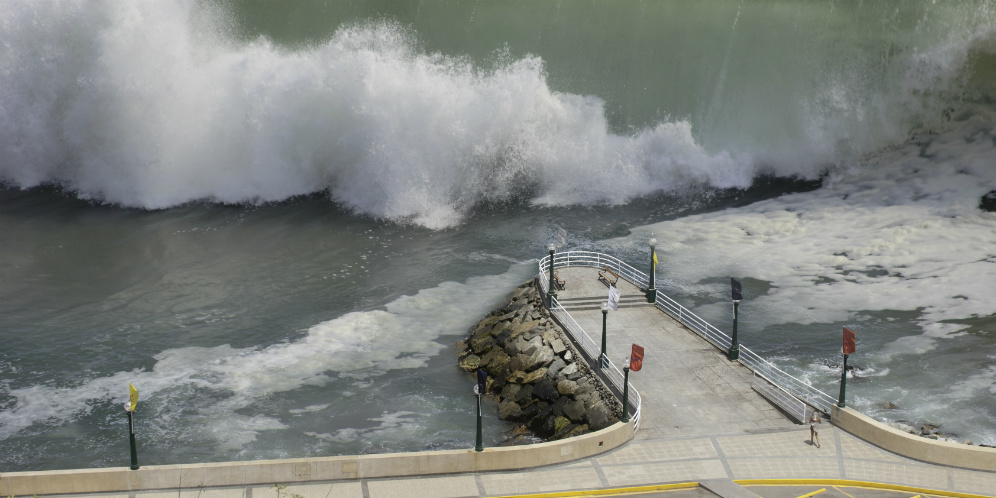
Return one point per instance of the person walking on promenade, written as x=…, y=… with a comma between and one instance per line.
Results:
x=814, y=434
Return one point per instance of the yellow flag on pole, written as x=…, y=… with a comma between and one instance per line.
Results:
x=655, y=260
x=133, y=396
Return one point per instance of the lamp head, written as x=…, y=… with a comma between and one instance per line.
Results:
x=605, y=306
x=551, y=248
x=653, y=240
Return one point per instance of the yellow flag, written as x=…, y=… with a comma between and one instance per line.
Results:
x=133, y=395
x=655, y=259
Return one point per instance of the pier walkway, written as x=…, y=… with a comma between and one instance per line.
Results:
x=700, y=423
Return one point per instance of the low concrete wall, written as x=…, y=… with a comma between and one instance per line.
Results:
x=916, y=447
x=313, y=469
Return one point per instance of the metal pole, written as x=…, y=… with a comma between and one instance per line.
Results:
x=734, y=353
x=605, y=314
x=551, y=293
x=651, y=291
x=480, y=435
x=843, y=383
x=131, y=438
x=625, y=417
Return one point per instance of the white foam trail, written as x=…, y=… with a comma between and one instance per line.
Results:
x=358, y=344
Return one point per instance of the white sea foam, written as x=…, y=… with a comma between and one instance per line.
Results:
x=358, y=344
x=904, y=235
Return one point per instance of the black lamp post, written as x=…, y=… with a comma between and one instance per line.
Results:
x=651, y=290
x=551, y=293
x=131, y=436
x=605, y=313
x=479, y=389
x=736, y=291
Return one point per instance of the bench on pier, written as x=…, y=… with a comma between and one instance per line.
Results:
x=610, y=277
x=558, y=282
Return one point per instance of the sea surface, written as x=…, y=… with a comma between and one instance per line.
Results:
x=275, y=219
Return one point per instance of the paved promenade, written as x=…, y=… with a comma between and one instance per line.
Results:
x=701, y=422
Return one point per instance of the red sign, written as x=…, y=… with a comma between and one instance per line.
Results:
x=636, y=359
x=848, y=341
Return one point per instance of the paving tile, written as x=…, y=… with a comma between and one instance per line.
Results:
x=657, y=451
x=974, y=482
x=788, y=443
x=852, y=447
x=924, y=476
x=540, y=481
x=230, y=492
x=784, y=468
x=438, y=487
x=664, y=472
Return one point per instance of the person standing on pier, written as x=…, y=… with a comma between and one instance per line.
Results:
x=814, y=434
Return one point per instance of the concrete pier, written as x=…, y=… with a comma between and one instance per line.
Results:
x=687, y=385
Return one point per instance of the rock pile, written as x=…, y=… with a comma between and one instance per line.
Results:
x=534, y=371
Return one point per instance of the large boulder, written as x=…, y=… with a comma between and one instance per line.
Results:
x=524, y=395
x=545, y=390
x=567, y=387
x=482, y=344
x=575, y=410
x=555, y=367
x=599, y=416
x=469, y=363
x=509, y=410
x=988, y=202
x=534, y=376
x=540, y=358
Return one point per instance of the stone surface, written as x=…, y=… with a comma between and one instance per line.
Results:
x=469, y=363
x=567, y=387
x=509, y=410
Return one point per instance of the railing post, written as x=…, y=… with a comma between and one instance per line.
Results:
x=651, y=290
x=625, y=417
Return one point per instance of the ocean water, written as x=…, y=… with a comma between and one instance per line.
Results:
x=276, y=218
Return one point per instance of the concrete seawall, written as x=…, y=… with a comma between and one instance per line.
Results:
x=192, y=476
x=916, y=447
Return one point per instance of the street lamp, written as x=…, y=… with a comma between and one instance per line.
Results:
x=551, y=293
x=605, y=313
x=131, y=435
x=737, y=293
x=651, y=290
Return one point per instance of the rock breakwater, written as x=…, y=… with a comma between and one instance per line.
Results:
x=534, y=371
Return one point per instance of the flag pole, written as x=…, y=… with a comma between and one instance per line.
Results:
x=625, y=417
x=651, y=290
x=843, y=383
x=736, y=290
x=479, y=446
x=131, y=436
x=847, y=348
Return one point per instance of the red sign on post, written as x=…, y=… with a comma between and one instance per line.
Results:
x=848, y=341
x=636, y=358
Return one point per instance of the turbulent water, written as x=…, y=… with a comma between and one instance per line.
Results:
x=275, y=218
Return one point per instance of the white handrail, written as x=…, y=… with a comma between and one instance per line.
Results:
x=591, y=349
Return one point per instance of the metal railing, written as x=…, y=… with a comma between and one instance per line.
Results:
x=588, y=346
x=591, y=349
x=793, y=386
x=791, y=404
